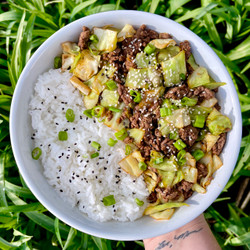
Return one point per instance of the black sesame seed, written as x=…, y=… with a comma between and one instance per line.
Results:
x=134, y=181
x=113, y=206
x=48, y=88
x=109, y=154
x=73, y=177
x=32, y=138
x=78, y=192
x=75, y=143
x=96, y=177
x=80, y=117
x=83, y=206
x=87, y=161
x=107, y=162
x=85, y=166
x=57, y=123
x=41, y=102
x=114, y=210
x=105, y=168
x=55, y=97
x=89, y=142
x=70, y=181
x=77, y=175
x=93, y=171
x=87, y=118
x=59, y=156
x=100, y=181
x=49, y=145
x=133, y=192
x=101, y=158
x=61, y=190
x=74, y=128
x=58, y=177
x=62, y=108
x=62, y=154
x=97, y=163
x=78, y=203
x=81, y=161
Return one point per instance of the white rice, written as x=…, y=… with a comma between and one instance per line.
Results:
x=81, y=181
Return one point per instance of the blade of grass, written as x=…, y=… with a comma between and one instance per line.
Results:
x=175, y=5
x=57, y=232
x=80, y=7
x=154, y=5
x=20, y=191
x=3, y=200
x=211, y=28
x=72, y=234
x=22, y=208
x=10, y=16
x=117, y=5
x=189, y=15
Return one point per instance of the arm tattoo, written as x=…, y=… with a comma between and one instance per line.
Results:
x=169, y=244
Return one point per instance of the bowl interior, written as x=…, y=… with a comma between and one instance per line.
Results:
x=32, y=171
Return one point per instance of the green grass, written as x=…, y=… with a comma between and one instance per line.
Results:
x=25, y=25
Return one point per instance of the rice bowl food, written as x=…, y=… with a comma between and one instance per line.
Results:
x=32, y=170
x=81, y=181
x=161, y=104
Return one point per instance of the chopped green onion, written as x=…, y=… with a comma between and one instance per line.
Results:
x=114, y=109
x=149, y=49
x=142, y=166
x=88, y=113
x=165, y=112
x=63, y=136
x=94, y=38
x=121, y=135
x=181, y=154
x=96, y=145
x=188, y=101
x=94, y=155
x=198, y=154
x=179, y=144
x=36, y=153
x=173, y=135
x=70, y=115
x=98, y=111
x=57, y=62
x=109, y=200
x=95, y=53
x=182, y=161
x=158, y=160
x=111, y=142
x=139, y=202
x=111, y=84
x=182, y=76
x=136, y=95
x=199, y=121
x=166, y=103
x=128, y=150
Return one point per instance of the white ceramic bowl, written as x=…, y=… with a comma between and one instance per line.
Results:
x=32, y=171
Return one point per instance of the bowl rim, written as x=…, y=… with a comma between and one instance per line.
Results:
x=62, y=216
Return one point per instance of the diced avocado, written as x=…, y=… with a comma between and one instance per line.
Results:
x=168, y=164
x=167, y=53
x=173, y=69
x=110, y=98
x=163, y=215
x=218, y=123
x=130, y=165
x=154, y=209
x=163, y=43
x=167, y=178
x=90, y=100
x=180, y=118
x=198, y=78
x=127, y=31
x=87, y=66
x=192, y=63
x=107, y=40
x=137, y=134
x=80, y=85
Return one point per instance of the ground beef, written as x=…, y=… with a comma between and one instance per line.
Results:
x=151, y=140
x=130, y=63
x=190, y=69
x=203, y=93
x=152, y=197
x=202, y=171
x=219, y=145
x=146, y=35
x=217, y=106
x=186, y=47
x=158, y=133
x=109, y=115
x=177, y=93
x=128, y=140
x=189, y=134
x=125, y=114
x=145, y=150
x=124, y=95
x=185, y=188
x=168, y=193
x=165, y=36
x=168, y=148
x=84, y=38
x=114, y=56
